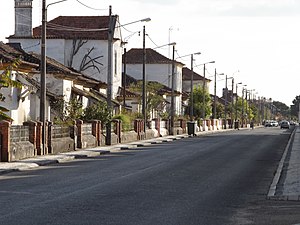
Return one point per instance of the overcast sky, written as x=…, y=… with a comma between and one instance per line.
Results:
x=258, y=38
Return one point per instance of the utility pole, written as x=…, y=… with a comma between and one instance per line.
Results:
x=192, y=89
x=109, y=78
x=124, y=80
x=203, y=100
x=144, y=105
x=225, y=105
x=215, y=93
x=172, y=94
x=232, y=87
x=43, y=77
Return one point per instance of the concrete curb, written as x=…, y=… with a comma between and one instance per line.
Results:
x=272, y=189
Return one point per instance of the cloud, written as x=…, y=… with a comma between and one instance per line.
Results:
x=263, y=8
x=249, y=8
x=157, y=2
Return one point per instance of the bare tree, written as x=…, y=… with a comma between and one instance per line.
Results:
x=77, y=44
x=89, y=62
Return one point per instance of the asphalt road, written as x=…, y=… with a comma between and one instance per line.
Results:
x=216, y=179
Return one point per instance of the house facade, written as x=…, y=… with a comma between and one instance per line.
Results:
x=24, y=103
x=157, y=68
x=197, y=80
x=80, y=42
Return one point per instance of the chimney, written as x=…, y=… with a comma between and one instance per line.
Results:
x=23, y=18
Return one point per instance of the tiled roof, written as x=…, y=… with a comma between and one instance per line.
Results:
x=9, y=54
x=37, y=85
x=127, y=93
x=135, y=56
x=75, y=27
x=164, y=89
x=186, y=75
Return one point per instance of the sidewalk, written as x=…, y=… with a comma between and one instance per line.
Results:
x=286, y=182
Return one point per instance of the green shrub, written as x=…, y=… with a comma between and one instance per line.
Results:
x=126, y=121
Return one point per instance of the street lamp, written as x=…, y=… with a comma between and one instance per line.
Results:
x=44, y=72
x=226, y=95
x=203, y=109
x=236, y=99
x=231, y=110
x=215, y=94
x=171, y=128
x=109, y=68
x=249, y=102
x=137, y=21
x=172, y=93
x=144, y=97
x=192, y=83
x=243, y=104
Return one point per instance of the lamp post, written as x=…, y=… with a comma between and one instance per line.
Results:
x=109, y=76
x=172, y=110
x=144, y=98
x=192, y=83
x=43, y=76
x=250, y=102
x=109, y=69
x=236, y=99
x=231, y=110
x=243, y=104
x=44, y=72
x=124, y=77
x=172, y=93
x=215, y=94
x=204, y=84
x=192, y=86
x=225, y=105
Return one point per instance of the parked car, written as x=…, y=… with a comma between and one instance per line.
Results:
x=292, y=123
x=284, y=125
x=271, y=123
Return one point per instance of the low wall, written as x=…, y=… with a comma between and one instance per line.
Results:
x=88, y=139
x=60, y=139
x=129, y=136
x=19, y=142
x=20, y=147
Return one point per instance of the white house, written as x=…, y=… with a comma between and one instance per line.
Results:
x=197, y=80
x=80, y=42
x=24, y=104
x=157, y=69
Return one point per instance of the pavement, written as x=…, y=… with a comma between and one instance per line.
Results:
x=285, y=185
x=286, y=182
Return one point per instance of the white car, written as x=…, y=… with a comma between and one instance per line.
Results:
x=285, y=124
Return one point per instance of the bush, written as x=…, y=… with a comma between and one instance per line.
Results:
x=126, y=121
x=98, y=111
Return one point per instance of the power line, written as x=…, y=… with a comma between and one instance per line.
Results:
x=90, y=6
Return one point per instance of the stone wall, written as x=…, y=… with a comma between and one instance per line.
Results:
x=19, y=142
x=20, y=147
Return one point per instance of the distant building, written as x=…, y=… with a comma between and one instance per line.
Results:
x=158, y=70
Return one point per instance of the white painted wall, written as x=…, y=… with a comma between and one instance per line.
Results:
x=186, y=85
x=60, y=50
x=160, y=73
x=22, y=106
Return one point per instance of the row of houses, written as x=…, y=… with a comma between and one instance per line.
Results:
x=77, y=61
